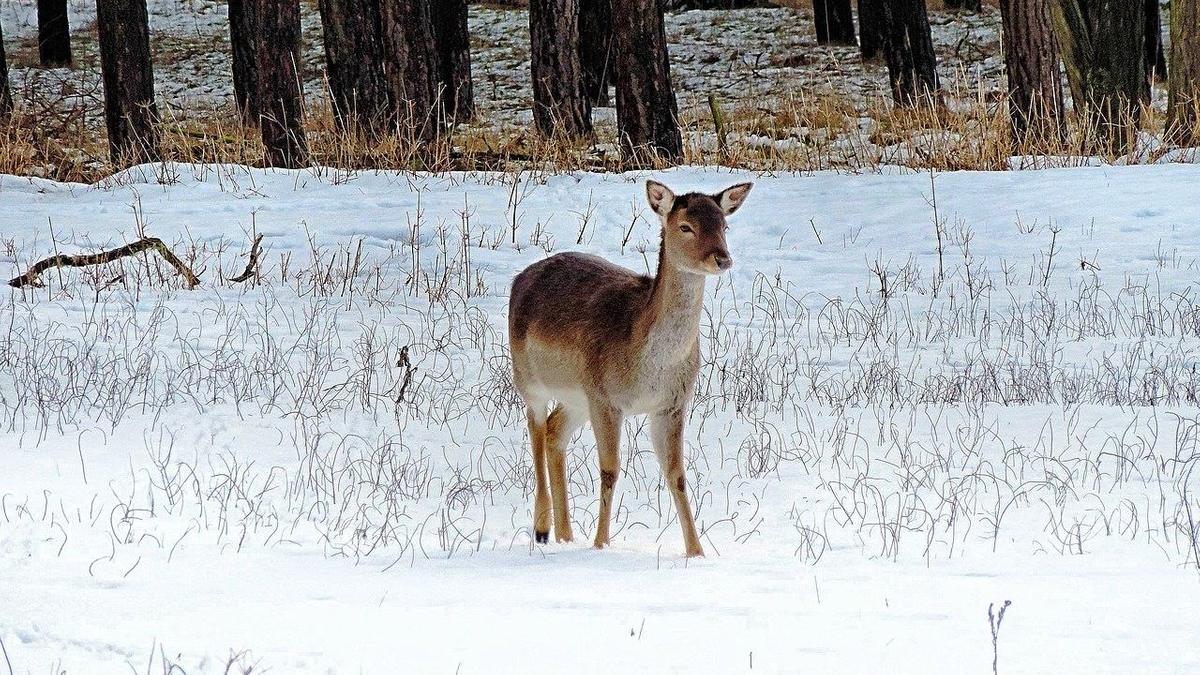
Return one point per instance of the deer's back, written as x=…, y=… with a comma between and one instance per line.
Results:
x=576, y=299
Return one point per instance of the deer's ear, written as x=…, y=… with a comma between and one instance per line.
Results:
x=660, y=197
x=732, y=197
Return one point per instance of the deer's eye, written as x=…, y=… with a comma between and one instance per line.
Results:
x=686, y=228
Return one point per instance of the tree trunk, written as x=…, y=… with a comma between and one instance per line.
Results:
x=870, y=28
x=647, y=116
x=130, y=113
x=54, y=33
x=354, y=65
x=277, y=55
x=1103, y=49
x=1156, y=59
x=6, y=101
x=908, y=50
x=1183, y=106
x=560, y=104
x=410, y=67
x=595, y=48
x=453, y=41
x=242, y=38
x=965, y=5
x=1035, y=99
x=835, y=22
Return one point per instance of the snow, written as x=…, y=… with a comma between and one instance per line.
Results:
x=232, y=474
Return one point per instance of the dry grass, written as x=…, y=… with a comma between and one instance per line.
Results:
x=801, y=132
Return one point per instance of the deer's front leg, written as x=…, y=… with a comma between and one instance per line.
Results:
x=666, y=430
x=606, y=423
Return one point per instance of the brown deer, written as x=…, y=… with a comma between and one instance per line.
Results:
x=603, y=342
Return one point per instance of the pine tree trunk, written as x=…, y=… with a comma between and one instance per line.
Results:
x=453, y=41
x=130, y=113
x=1102, y=43
x=242, y=38
x=1183, y=106
x=647, y=116
x=6, y=101
x=354, y=65
x=410, y=67
x=1035, y=98
x=1156, y=59
x=908, y=50
x=560, y=104
x=54, y=33
x=277, y=55
x=870, y=28
x=595, y=48
x=965, y=5
x=835, y=22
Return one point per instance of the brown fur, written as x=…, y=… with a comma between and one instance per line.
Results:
x=604, y=342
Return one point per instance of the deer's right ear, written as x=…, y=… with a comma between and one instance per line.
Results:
x=660, y=197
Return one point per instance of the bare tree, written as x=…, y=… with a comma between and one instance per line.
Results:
x=1156, y=59
x=834, y=22
x=453, y=43
x=1103, y=49
x=130, y=113
x=647, y=114
x=243, y=36
x=595, y=48
x=560, y=104
x=1183, y=105
x=277, y=56
x=410, y=67
x=6, y=101
x=908, y=50
x=870, y=27
x=1035, y=99
x=54, y=33
x=354, y=65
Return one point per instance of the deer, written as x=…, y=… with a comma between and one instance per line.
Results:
x=603, y=342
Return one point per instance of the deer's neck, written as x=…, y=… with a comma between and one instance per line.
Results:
x=671, y=322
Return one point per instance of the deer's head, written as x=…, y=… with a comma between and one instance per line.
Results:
x=694, y=226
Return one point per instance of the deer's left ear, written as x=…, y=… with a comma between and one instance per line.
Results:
x=732, y=197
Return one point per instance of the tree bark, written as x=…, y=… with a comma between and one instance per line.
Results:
x=410, y=67
x=242, y=39
x=277, y=55
x=1103, y=49
x=130, y=113
x=908, y=50
x=1156, y=59
x=965, y=5
x=647, y=115
x=453, y=41
x=595, y=48
x=354, y=65
x=560, y=104
x=835, y=22
x=1183, y=88
x=6, y=101
x=870, y=28
x=54, y=33
x=1035, y=98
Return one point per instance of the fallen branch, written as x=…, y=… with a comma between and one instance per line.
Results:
x=252, y=265
x=31, y=278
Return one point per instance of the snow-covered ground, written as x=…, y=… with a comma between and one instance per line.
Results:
x=890, y=434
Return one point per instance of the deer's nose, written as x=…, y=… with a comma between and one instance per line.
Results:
x=723, y=261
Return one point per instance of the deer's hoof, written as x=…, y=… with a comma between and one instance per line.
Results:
x=541, y=537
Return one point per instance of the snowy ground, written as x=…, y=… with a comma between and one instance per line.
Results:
x=888, y=437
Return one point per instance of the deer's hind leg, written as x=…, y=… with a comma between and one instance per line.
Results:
x=535, y=415
x=562, y=424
